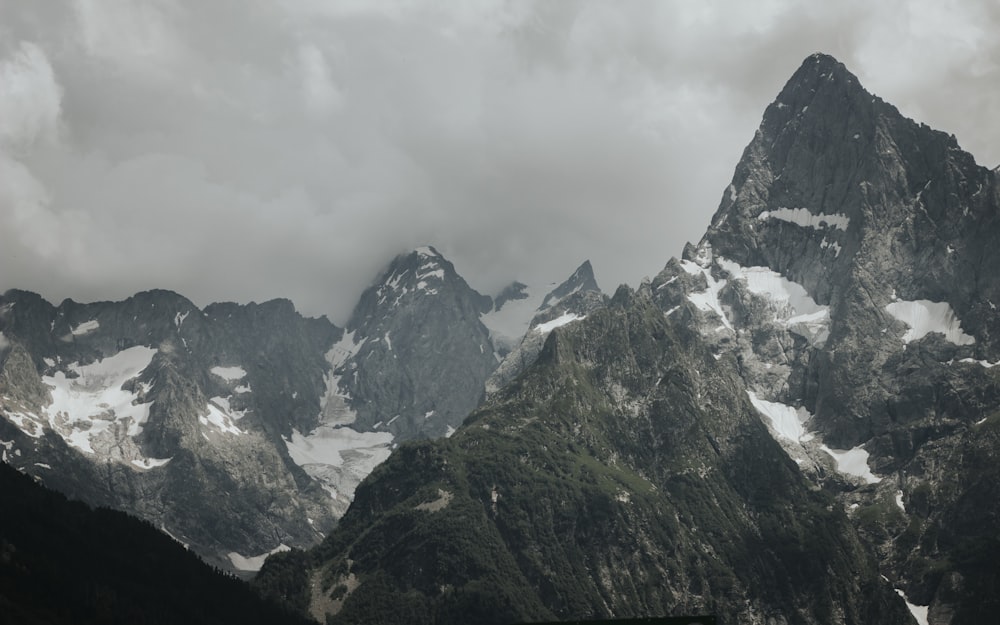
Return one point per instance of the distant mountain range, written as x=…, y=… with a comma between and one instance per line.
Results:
x=244, y=429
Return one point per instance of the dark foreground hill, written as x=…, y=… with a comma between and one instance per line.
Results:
x=62, y=562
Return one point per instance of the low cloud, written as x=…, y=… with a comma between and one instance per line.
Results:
x=244, y=151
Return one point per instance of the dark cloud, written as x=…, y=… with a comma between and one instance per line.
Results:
x=250, y=150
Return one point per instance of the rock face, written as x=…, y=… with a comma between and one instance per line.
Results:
x=419, y=355
x=850, y=272
x=625, y=473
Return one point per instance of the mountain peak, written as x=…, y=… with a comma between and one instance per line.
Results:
x=581, y=280
x=820, y=79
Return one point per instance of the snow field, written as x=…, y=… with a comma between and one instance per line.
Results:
x=85, y=406
x=229, y=374
x=924, y=316
x=94, y=407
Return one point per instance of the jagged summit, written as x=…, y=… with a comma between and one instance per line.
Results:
x=850, y=271
x=581, y=280
x=421, y=273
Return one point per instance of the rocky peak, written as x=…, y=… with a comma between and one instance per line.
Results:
x=572, y=300
x=409, y=280
x=419, y=354
x=849, y=271
x=581, y=280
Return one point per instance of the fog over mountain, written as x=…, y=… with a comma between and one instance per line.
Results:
x=245, y=151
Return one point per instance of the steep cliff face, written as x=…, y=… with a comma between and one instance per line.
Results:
x=625, y=473
x=849, y=270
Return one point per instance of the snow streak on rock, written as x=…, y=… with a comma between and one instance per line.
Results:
x=807, y=219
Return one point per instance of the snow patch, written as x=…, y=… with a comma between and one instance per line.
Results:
x=334, y=407
x=229, y=374
x=149, y=463
x=919, y=612
x=833, y=245
x=793, y=307
x=179, y=319
x=786, y=421
x=982, y=363
x=85, y=327
x=243, y=563
x=707, y=300
x=558, y=322
x=853, y=462
x=899, y=500
x=327, y=445
x=221, y=418
x=924, y=316
x=806, y=218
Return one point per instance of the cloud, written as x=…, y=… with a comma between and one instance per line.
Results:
x=250, y=150
x=30, y=98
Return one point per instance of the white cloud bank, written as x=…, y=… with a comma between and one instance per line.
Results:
x=234, y=150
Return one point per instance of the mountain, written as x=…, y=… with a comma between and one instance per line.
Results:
x=623, y=474
x=418, y=355
x=238, y=429
x=62, y=562
x=850, y=271
x=795, y=422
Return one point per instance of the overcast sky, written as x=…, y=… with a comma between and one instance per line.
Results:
x=245, y=150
